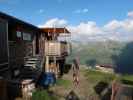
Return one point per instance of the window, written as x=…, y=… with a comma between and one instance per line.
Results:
x=19, y=34
x=26, y=36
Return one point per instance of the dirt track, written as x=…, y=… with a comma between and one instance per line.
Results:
x=83, y=90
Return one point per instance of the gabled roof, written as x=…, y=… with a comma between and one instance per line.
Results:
x=55, y=30
x=15, y=20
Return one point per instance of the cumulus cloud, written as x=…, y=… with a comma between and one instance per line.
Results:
x=124, y=25
x=89, y=28
x=127, y=25
x=87, y=31
x=130, y=14
x=55, y=22
x=113, y=25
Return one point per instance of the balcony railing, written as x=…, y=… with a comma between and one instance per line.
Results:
x=56, y=48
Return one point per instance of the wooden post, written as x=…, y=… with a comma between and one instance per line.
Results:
x=34, y=46
x=47, y=64
x=55, y=67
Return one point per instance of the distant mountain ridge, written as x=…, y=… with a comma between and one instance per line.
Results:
x=96, y=52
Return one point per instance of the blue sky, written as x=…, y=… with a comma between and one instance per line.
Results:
x=39, y=11
x=73, y=12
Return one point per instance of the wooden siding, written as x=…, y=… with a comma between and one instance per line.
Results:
x=3, y=43
x=18, y=51
x=55, y=48
x=41, y=46
x=18, y=47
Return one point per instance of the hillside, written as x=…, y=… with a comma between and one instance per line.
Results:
x=92, y=53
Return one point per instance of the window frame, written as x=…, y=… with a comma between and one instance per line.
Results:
x=25, y=34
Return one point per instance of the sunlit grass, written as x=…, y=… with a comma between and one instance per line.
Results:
x=94, y=76
x=43, y=95
x=64, y=83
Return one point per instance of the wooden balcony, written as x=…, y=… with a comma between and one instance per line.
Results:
x=56, y=48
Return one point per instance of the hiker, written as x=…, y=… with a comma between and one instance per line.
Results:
x=75, y=67
x=115, y=88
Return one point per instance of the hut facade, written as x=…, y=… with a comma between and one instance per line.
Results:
x=17, y=41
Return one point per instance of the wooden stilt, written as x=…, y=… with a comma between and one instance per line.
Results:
x=55, y=67
x=47, y=64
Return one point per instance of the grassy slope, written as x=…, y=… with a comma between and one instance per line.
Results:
x=64, y=83
x=43, y=95
x=94, y=77
x=96, y=51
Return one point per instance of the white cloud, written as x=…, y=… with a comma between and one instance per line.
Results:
x=113, y=25
x=128, y=25
x=124, y=25
x=55, y=22
x=130, y=14
x=86, y=31
x=89, y=28
x=85, y=10
x=78, y=11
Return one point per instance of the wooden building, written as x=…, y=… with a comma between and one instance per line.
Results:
x=55, y=51
x=18, y=44
x=105, y=68
x=18, y=40
x=24, y=49
x=54, y=47
x=23, y=44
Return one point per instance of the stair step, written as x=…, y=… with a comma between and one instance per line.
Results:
x=30, y=62
x=30, y=65
x=33, y=59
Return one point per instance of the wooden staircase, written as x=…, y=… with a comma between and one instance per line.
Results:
x=32, y=67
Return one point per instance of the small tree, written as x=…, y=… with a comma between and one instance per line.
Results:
x=124, y=61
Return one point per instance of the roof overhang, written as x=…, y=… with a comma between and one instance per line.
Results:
x=55, y=30
x=13, y=20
